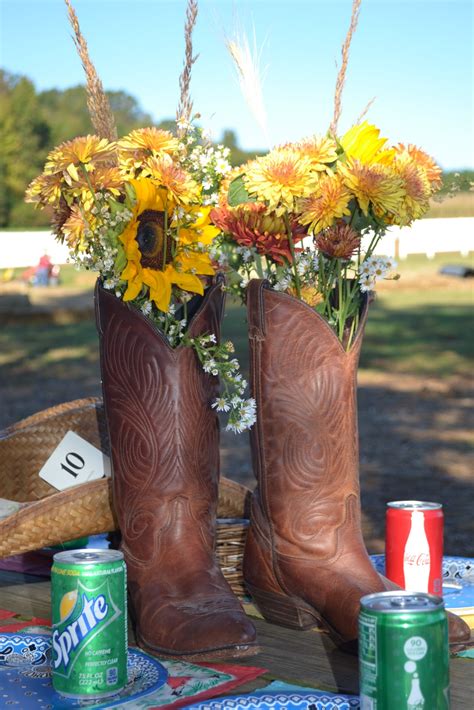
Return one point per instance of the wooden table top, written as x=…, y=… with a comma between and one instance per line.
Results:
x=305, y=658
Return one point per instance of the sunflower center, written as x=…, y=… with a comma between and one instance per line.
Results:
x=151, y=240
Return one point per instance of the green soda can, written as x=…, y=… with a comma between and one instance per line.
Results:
x=403, y=652
x=89, y=614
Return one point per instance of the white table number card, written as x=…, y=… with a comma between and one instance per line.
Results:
x=74, y=461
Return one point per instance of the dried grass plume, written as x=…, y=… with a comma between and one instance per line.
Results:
x=185, y=106
x=341, y=77
x=250, y=76
x=97, y=101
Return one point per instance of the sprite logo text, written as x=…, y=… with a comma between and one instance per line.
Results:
x=93, y=612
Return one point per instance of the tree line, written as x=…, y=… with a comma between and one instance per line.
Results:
x=32, y=123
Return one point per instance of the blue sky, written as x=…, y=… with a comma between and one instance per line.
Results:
x=414, y=56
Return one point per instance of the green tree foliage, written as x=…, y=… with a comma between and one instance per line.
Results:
x=32, y=123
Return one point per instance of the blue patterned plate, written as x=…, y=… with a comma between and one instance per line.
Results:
x=281, y=700
x=458, y=580
x=25, y=676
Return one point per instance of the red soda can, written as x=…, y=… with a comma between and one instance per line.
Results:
x=414, y=545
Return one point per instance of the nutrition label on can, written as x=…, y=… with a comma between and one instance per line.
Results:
x=368, y=659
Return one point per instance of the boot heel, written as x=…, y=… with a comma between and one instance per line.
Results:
x=283, y=610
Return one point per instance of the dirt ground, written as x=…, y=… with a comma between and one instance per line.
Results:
x=416, y=437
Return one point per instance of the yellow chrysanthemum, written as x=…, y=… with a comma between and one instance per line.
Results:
x=179, y=183
x=363, y=142
x=374, y=185
x=424, y=161
x=321, y=151
x=417, y=189
x=280, y=177
x=329, y=203
x=101, y=179
x=153, y=258
x=85, y=151
x=75, y=228
x=44, y=190
x=144, y=143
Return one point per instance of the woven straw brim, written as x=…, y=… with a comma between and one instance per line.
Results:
x=48, y=517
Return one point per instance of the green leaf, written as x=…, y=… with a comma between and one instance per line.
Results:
x=120, y=260
x=238, y=192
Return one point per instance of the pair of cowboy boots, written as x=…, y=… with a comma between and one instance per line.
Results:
x=305, y=562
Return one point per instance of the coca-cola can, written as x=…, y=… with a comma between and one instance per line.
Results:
x=414, y=545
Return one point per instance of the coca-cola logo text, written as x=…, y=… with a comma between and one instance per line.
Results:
x=417, y=560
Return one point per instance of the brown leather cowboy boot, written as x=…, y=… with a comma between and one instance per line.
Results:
x=305, y=561
x=164, y=440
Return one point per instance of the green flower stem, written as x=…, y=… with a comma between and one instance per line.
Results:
x=293, y=256
x=258, y=265
x=89, y=184
x=165, y=234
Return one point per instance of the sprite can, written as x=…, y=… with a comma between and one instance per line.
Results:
x=403, y=652
x=89, y=616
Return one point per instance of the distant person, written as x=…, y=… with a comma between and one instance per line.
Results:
x=43, y=271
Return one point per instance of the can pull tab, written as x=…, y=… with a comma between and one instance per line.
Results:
x=408, y=601
x=85, y=555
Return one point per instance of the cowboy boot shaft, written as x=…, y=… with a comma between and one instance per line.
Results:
x=305, y=445
x=163, y=431
x=164, y=438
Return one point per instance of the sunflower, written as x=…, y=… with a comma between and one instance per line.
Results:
x=144, y=143
x=374, y=185
x=329, y=202
x=166, y=173
x=153, y=258
x=363, y=142
x=321, y=151
x=280, y=177
x=253, y=225
x=86, y=152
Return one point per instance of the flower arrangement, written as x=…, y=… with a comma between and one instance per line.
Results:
x=137, y=211
x=308, y=217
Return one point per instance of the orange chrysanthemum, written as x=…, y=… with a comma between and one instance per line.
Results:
x=374, y=185
x=251, y=224
x=280, y=177
x=338, y=242
x=74, y=228
x=329, y=202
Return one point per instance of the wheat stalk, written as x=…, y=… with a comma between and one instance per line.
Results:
x=365, y=111
x=97, y=101
x=341, y=77
x=247, y=64
x=185, y=106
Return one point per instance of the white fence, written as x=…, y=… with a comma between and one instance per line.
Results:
x=427, y=236
x=430, y=237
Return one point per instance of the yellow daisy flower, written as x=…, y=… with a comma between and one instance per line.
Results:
x=363, y=142
x=329, y=203
x=153, y=258
x=374, y=185
x=321, y=151
x=280, y=177
x=85, y=151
